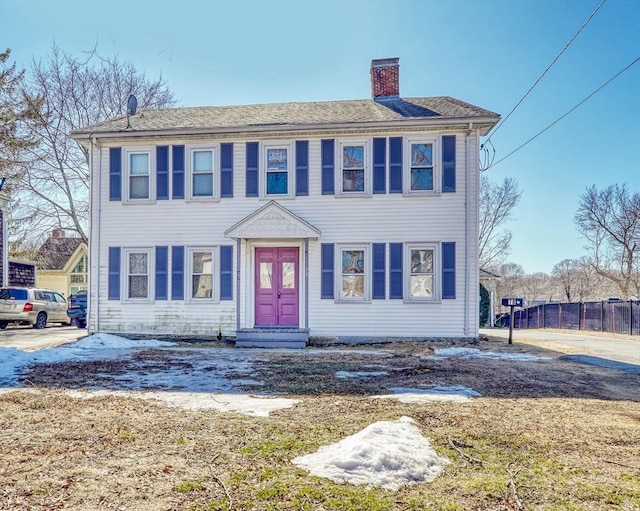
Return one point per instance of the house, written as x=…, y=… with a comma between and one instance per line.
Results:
x=347, y=220
x=62, y=264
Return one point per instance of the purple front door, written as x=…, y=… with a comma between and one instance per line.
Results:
x=276, y=286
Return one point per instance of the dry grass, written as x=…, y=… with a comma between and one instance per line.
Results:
x=550, y=435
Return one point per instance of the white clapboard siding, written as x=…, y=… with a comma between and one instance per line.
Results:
x=379, y=218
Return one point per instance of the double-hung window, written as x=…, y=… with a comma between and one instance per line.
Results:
x=203, y=175
x=422, y=272
x=140, y=180
x=355, y=273
x=421, y=170
x=138, y=266
x=201, y=266
x=353, y=176
x=278, y=166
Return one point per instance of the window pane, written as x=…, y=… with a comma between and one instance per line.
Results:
x=139, y=164
x=422, y=179
x=353, y=261
x=138, y=286
x=138, y=264
x=422, y=286
x=202, y=185
x=353, y=286
x=277, y=159
x=353, y=181
x=277, y=183
x=288, y=275
x=265, y=276
x=139, y=187
x=421, y=155
x=422, y=261
x=202, y=286
x=202, y=161
x=202, y=262
x=353, y=157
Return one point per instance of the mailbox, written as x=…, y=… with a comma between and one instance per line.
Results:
x=512, y=302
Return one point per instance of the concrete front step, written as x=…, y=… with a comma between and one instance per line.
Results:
x=272, y=338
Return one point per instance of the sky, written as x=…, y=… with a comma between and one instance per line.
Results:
x=385, y=454
x=485, y=52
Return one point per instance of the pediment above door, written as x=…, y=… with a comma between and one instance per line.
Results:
x=272, y=221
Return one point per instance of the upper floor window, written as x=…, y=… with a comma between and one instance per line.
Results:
x=278, y=165
x=421, y=169
x=78, y=274
x=353, y=176
x=140, y=180
x=202, y=170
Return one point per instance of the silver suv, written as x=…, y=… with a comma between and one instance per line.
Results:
x=29, y=306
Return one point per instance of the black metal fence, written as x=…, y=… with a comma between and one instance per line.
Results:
x=614, y=317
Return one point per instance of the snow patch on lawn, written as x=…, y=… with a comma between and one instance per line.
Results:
x=476, y=353
x=385, y=454
x=441, y=393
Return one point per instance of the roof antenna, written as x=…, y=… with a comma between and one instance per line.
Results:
x=132, y=106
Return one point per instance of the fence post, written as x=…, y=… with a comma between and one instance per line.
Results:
x=602, y=316
x=580, y=309
x=630, y=317
x=544, y=315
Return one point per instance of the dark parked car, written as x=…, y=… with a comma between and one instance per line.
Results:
x=78, y=309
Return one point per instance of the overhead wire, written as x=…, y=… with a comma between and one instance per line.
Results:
x=548, y=68
x=567, y=113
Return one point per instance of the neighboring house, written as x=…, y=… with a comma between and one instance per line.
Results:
x=13, y=272
x=355, y=220
x=62, y=264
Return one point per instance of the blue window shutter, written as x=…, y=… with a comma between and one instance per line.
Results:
x=327, y=256
x=379, y=165
x=328, y=166
x=226, y=272
x=252, y=169
x=178, y=172
x=302, y=167
x=448, y=270
x=379, y=277
x=177, y=273
x=115, y=173
x=449, y=163
x=162, y=172
x=162, y=261
x=395, y=271
x=226, y=170
x=395, y=165
x=114, y=273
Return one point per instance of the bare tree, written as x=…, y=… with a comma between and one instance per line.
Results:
x=610, y=222
x=15, y=110
x=510, y=283
x=497, y=201
x=53, y=190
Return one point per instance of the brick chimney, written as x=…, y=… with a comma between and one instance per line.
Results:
x=57, y=233
x=385, y=78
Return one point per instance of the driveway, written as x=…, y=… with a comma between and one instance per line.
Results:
x=26, y=338
x=592, y=348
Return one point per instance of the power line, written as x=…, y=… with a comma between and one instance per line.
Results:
x=567, y=113
x=547, y=70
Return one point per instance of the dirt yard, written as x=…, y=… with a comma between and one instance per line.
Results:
x=545, y=435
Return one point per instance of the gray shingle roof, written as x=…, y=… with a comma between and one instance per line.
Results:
x=55, y=252
x=294, y=114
